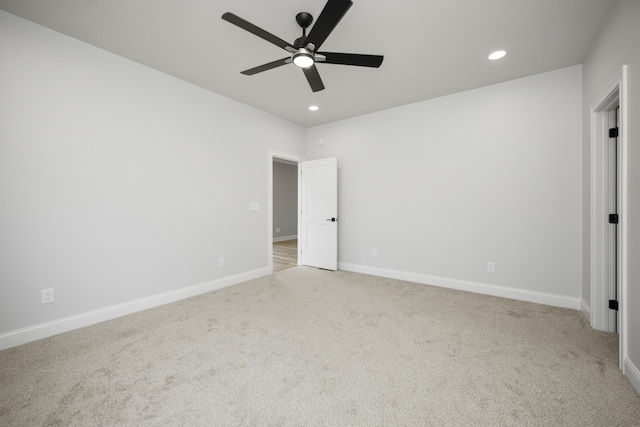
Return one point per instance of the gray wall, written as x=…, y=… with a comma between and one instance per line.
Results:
x=441, y=187
x=616, y=46
x=118, y=182
x=285, y=201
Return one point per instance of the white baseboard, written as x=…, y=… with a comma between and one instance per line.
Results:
x=632, y=373
x=480, y=288
x=44, y=330
x=283, y=238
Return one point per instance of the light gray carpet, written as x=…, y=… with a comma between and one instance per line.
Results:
x=311, y=347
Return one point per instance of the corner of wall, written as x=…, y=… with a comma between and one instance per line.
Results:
x=632, y=373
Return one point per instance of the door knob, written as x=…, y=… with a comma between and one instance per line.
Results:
x=332, y=219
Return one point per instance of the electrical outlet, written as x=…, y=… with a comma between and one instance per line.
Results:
x=221, y=262
x=47, y=296
x=491, y=267
x=277, y=230
x=374, y=253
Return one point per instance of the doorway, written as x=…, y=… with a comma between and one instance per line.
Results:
x=285, y=214
x=282, y=251
x=608, y=229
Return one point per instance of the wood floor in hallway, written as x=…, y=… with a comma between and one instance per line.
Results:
x=285, y=255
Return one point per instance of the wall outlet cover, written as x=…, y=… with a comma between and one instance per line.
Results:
x=47, y=296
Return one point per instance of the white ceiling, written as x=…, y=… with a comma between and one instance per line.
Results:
x=431, y=48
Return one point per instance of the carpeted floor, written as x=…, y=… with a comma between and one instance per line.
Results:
x=312, y=347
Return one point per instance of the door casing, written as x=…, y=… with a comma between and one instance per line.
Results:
x=613, y=96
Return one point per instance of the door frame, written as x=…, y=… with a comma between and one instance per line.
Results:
x=272, y=155
x=613, y=96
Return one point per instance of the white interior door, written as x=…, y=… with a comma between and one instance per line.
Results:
x=318, y=229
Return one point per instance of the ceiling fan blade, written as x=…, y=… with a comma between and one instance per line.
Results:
x=265, y=67
x=313, y=77
x=253, y=29
x=352, y=59
x=332, y=13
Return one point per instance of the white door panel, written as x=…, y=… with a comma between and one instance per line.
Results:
x=318, y=231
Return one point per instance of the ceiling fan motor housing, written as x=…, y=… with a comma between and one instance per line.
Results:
x=300, y=42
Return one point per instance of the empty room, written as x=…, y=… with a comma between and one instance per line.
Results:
x=462, y=223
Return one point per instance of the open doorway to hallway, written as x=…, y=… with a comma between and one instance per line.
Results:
x=284, y=213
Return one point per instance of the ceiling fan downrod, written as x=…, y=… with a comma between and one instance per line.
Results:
x=304, y=19
x=303, y=56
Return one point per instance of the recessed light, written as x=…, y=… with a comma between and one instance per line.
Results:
x=313, y=108
x=497, y=54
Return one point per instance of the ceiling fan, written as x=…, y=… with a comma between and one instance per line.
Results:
x=304, y=50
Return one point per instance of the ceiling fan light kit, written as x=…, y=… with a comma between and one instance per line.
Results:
x=303, y=58
x=304, y=51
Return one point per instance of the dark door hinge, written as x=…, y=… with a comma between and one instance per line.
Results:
x=613, y=132
x=613, y=218
x=613, y=305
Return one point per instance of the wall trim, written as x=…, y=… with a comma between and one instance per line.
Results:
x=462, y=285
x=632, y=373
x=58, y=326
x=284, y=238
